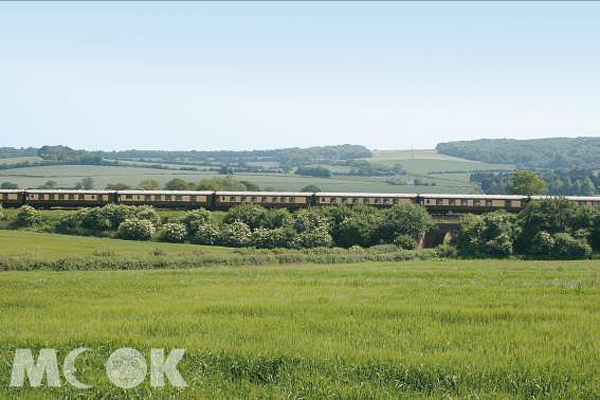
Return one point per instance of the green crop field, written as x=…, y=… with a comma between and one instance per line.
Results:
x=445, y=329
x=69, y=175
x=49, y=246
x=422, y=162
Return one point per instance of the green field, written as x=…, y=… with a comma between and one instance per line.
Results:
x=418, y=163
x=15, y=160
x=69, y=175
x=51, y=246
x=452, y=329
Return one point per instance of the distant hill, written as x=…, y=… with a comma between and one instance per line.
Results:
x=553, y=153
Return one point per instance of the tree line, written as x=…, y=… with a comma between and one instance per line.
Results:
x=552, y=153
x=573, y=182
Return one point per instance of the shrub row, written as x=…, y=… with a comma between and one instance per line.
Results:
x=551, y=229
x=250, y=225
x=249, y=257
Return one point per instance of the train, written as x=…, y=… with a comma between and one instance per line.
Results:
x=223, y=200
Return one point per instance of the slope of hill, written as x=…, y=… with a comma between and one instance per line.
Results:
x=582, y=152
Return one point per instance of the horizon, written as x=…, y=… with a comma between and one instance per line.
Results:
x=247, y=76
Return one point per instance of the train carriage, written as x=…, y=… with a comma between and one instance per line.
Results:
x=291, y=200
x=473, y=203
x=582, y=201
x=166, y=198
x=11, y=197
x=372, y=199
x=68, y=198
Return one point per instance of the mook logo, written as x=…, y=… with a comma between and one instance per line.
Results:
x=125, y=368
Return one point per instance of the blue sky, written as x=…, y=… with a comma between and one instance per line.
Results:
x=241, y=75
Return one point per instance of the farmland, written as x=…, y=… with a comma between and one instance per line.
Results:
x=450, y=174
x=50, y=246
x=430, y=329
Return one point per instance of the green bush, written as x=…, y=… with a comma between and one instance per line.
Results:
x=552, y=216
x=317, y=237
x=207, y=234
x=403, y=219
x=194, y=219
x=277, y=218
x=559, y=245
x=136, y=229
x=236, y=234
x=28, y=216
x=250, y=214
x=147, y=213
x=174, y=233
x=308, y=220
x=405, y=242
x=488, y=235
x=263, y=238
x=446, y=251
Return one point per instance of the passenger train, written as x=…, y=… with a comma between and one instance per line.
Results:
x=223, y=200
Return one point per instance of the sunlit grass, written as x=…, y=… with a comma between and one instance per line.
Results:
x=487, y=329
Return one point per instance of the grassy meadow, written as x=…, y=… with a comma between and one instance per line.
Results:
x=429, y=329
x=52, y=246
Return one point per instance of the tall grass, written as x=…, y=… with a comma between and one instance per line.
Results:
x=428, y=329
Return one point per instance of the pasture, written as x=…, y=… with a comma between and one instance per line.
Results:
x=51, y=246
x=429, y=329
x=69, y=175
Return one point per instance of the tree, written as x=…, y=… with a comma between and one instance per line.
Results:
x=320, y=172
x=311, y=189
x=526, y=183
x=403, y=219
x=177, y=184
x=49, y=185
x=491, y=234
x=149, y=185
x=86, y=183
x=9, y=185
x=117, y=186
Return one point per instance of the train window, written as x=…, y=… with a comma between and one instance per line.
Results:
x=50, y=197
x=344, y=199
x=168, y=197
x=452, y=202
x=243, y=198
x=263, y=199
x=476, y=202
x=507, y=203
x=354, y=200
x=127, y=197
x=377, y=201
x=61, y=196
x=81, y=197
x=464, y=202
x=147, y=197
x=438, y=202
x=291, y=200
x=232, y=198
x=178, y=198
x=488, y=203
x=253, y=198
x=385, y=201
x=396, y=201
